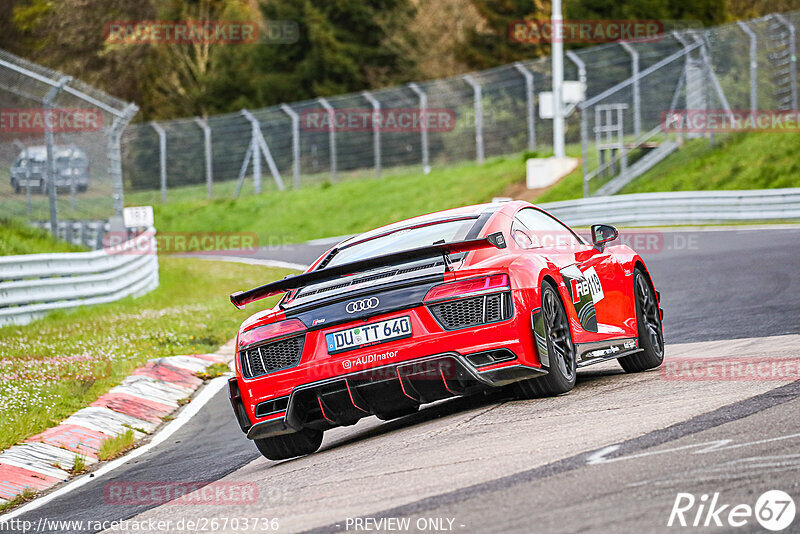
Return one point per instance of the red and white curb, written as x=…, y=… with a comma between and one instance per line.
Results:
x=139, y=404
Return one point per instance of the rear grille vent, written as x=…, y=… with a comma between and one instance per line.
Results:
x=472, y=311
x=487, y=358
x=420, y=267
x=368, y=278
x=272, y=406
x=272, y=357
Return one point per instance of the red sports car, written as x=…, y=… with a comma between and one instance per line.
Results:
x=446, y=304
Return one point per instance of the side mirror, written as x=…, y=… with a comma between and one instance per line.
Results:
x=602, y=234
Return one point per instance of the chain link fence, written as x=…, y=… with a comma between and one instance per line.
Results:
x=616, y=129
x=628, y=88
x=720, y=74
x=60, y=152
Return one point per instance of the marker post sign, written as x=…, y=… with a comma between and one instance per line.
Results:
x=138, y=216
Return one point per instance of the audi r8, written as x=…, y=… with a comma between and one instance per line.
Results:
x=446, y=304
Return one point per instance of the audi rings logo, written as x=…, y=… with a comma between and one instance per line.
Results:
x=362, y=305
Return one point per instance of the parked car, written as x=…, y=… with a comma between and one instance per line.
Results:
x=29, y=169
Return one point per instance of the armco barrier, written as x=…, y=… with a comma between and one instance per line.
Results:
x=685, y=207
x=34, y=284
x=87, y=233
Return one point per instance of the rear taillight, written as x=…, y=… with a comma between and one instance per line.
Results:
x=469, y=287
x=270, y=331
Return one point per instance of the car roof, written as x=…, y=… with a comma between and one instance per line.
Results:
x=437, y=216
x=39, y=152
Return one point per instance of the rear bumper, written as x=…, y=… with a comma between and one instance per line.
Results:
x=271, y=403
x=345, y=399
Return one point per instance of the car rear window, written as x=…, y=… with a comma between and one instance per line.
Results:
x=404, y=239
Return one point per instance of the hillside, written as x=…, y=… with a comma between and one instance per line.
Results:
x=16, y=237
x=751, y=161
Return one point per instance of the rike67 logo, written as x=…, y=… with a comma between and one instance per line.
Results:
x=774, y=510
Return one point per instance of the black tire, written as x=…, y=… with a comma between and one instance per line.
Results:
x=288, y=446
x=561, y=374
x=394, y=414
x=648, y=319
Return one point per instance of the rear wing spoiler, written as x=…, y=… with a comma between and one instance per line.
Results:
x=240, y=298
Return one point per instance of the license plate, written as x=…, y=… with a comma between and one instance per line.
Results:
x=369, y=334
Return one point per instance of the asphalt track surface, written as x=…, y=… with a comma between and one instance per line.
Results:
x=611, y=456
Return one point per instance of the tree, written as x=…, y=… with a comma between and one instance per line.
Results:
x=491, y=44
x=707, y=12
x=69, y=36
x=440, y=28
x=342, y=46
x=10, y=36
x=199, y=78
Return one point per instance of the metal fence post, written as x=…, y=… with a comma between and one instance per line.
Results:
x=203, y=124
x=331, y=136
x=578, y=63
x=584, y=150
x=24, y=153
x=753, y=67
x=637, y=96
x=423, y=107
x=162, y=158
x=581, y=78
x=531, y=105
x=51, y=163
x=706, y=57
x=254, y=150
x=792, y=59
x=477, y=92
x=684, y=79
x=376, y=130
x=295, y=143
x=72, y=200
x=114, y=155
x=258, y=147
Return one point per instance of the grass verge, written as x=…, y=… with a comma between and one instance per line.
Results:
x=113, y=447
x=325, y=210
x=26, y=495
x=213, y=371
x=17, y=237
x=53, y=367
x=78, y=465
x=737, y=161
x=740, y=161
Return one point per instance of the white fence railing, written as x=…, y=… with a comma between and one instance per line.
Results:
x=34, y=284
x=685, y=207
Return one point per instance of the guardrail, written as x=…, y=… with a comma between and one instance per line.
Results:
x=33, y=284
x=685, y=207
x=87, y=233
